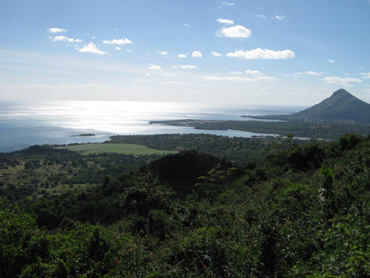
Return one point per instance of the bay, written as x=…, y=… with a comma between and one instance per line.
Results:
x=23, y=124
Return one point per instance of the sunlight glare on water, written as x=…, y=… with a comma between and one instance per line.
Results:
x=24, y=124
x=119, y=116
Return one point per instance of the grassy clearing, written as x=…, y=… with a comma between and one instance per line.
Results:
x=121, y=148
x=40, y=177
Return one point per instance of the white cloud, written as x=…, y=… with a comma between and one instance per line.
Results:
x=59, y=39
x=265, y=78
x=164, y=53
x=342, y=81
x=282, y=17
x=254, y=72
x=154, y=67
x=57, y=30
x=261, y=16
x=259, y=53
x=258, y=75
x=309, y=73
x=225, y=21
x=173, y=83
x=330, y=61
x=365, y=75
x=182, y=56
x=73, y=40
x=216, y=54
x=92, y=48
x=228, y=4
x=229, y=78
x=236, y=72
x=196, y=54
x=117, y=48
x=187, y=67
x=64, y=39
x=237, y=31
x=118, y=42
x=312, y=73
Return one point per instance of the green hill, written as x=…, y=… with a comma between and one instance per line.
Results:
x=304, y=211
x=340, y=107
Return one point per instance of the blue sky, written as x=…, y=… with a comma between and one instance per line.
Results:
x=242, y=52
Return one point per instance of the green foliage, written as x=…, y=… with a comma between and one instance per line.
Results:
x=133, y=149
x=182, y=172
x=43, y=171
x=21, y=243
x=314, y=129
x=282, y=218
x=349, y=141
x=239, y=150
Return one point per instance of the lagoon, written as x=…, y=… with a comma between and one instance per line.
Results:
x=23, y=124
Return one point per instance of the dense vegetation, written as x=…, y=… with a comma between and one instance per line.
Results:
x=240, y=151
x=303, y=211
x=42, y=171
x=323, y=130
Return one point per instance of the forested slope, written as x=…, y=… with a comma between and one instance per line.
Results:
x=303, y=212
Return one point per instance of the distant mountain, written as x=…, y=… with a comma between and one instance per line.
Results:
x=340, y=107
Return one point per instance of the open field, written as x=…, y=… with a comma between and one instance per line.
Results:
x=45, y=171
x=39, y=177
x=120, y=148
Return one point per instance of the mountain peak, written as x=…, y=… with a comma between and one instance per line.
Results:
x=341, y=92
x=340, y=107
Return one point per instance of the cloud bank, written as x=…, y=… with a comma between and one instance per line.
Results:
x=154, y=67
x=57, y=30
x=92, y=48
x=216, y=54
x=259, y=53
x=237, y=31
x=349, y=81
x=228, y=4
x=64, y=39
x=196, y=54
x=118, y=41
x=225, y=21
x=188, y=67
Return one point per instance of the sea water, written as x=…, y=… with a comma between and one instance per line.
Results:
x=23, y=124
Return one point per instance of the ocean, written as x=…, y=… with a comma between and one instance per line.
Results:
x=23, y=124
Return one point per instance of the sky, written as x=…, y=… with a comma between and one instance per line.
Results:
x=231, y=53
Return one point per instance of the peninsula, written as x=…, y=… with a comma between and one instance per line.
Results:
x=335, y=116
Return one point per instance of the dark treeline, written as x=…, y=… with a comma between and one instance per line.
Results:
x=239, y=150
x=323, y=130
x=303, y=211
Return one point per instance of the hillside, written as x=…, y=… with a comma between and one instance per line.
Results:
x=340, y=107
x=304, y=212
